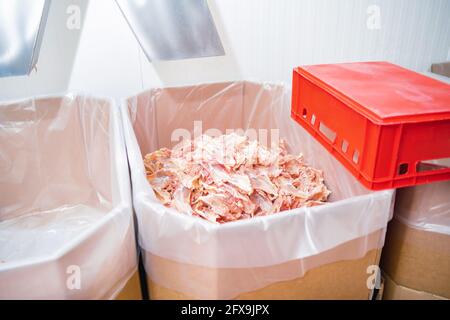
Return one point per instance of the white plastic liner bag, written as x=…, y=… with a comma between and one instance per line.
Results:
x=155, y=119
x=66, y=224
x=425, y=207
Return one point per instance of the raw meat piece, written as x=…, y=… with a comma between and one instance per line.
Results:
x=231, y=178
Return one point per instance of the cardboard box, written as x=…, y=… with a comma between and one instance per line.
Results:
x=346, y=279
x=132, y=290
x=441, y=68
x=66, y=228
x=320, y=252
x=417, y=259
x=394, y=291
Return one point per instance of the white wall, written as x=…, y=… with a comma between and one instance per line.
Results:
x=110, y=61
x=271, y=37
x=264, y=40
x=108, y=58
x=57, y=55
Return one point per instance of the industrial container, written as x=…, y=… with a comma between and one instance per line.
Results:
x=66, y=224
x=327, y=251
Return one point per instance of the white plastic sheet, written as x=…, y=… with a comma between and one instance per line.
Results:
x=425, y=207
x=66, y=225
x=153, y=120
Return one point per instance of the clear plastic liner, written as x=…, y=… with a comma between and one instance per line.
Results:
x=425, y=207
x=155, y=119
x=66, y=225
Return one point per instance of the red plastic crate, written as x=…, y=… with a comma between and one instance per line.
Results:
x=389, y=126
